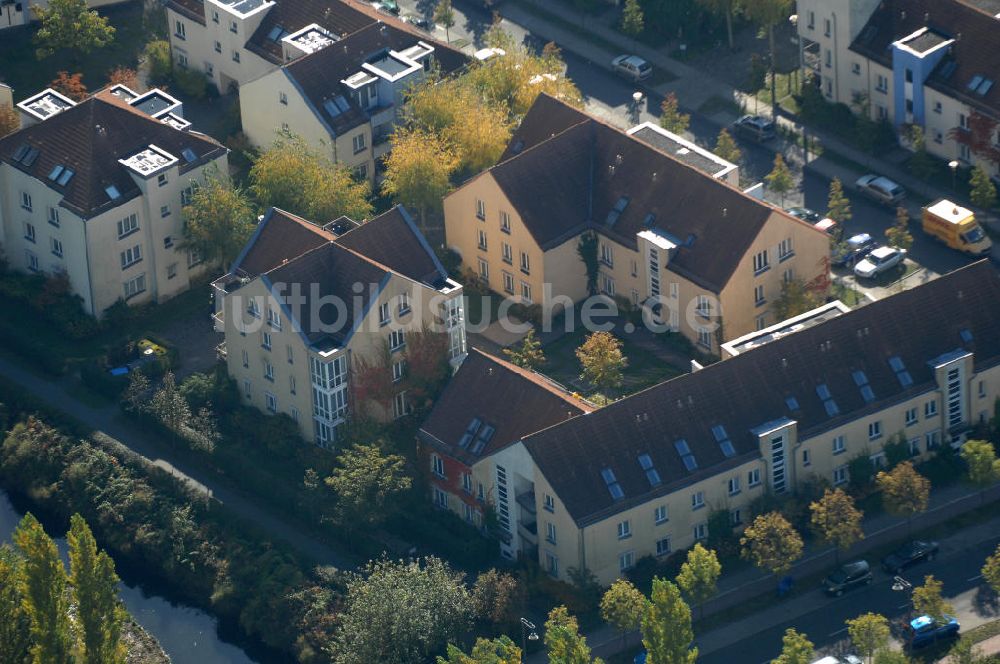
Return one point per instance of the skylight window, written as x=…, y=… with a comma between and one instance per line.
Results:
x=966, y=335
x=722, y=438
x=21, y=151
x=614, y=488
x=792, y=403
x=901, y=373
x=985, y=86
x=828, y=403
x=470, y=432
x=277, y=32
x=28, y=157
x=56, y=172
x=651, y=474
x=684, y=451
x=189, y=155
x=861, y=380
x=975, y=82
x=66, y=175
x=484, y=438
x=112, y=192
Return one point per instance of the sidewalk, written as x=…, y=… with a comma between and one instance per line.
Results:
x=990, y=646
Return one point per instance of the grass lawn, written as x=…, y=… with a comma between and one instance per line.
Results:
x=785, y=85
x=28, y=75
x=847, y=295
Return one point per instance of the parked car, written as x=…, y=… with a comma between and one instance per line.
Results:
x=843, y=659
x=925, y=630
x=880, y=189
x=632, y=67
x=856, y=248
x=805, y=214
x=389, y=6
x=909, y=554
x=419, y=21
x=879, y=260
x=850, y=575
x=755, y=127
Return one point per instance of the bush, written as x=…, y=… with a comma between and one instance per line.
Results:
x=94, y=374
x=191, y=82
x=28, y=347
x=157, y=54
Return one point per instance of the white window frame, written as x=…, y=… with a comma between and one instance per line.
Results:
x=697, y=500
x=624, y=529
x=437, y=465
x=660, y=515
x=839, y=444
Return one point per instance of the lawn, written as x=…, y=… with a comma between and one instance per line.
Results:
x=27, y=75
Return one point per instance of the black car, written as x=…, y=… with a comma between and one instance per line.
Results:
x=909, y=554
x=804, y=214
x=849, y=576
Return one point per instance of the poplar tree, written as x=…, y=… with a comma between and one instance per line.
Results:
x=43, y=586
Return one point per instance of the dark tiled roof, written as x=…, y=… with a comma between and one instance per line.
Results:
x=750, y=390
x=336, y=17
x=547, y=117
x=974, y=53
x=280, y=237
x=391, y=239
x=573, y=181
x=514, y=401
x=90, y=138
x=319, y=74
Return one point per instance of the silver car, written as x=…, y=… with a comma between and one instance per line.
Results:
x=878, y=261
x=632, y=67
x=880, y=189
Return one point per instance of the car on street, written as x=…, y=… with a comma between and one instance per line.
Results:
x=632, y=67
x=755, y=127
x=805, y=214
x=880, y=189
x=419, y=22
x=856, y=248
x=925, y=630
x=850, y=575
x=878, y=261
x=909, y=554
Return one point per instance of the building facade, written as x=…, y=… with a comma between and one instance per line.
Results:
x=95, y=190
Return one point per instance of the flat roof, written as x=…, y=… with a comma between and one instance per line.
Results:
x=243, y=8
x=149, y=161
x=786, y=327
x=677, y=146
x=45, y=104
x=155, y=102
x=923, y=41
x=310, y=38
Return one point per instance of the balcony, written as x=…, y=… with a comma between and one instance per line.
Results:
x=220, y=351
x=527, y=502
x=528, y=532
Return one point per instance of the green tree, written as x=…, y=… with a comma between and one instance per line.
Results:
x=699, y=574
x=367, y=483
x=633, y=20
x=43, y=587
x=486, y=651
x=984, y=192
x=218, y=221
x=68, y=24
x=169, y=407
x=982, y=463
x=898, y=235
x=563, y=641
x=869, y=633
x=768, y=14
x=796, y=298
x=498, y=597
x=991, y=570
x=725, y=9
x=927, y=599
x=422, y=604
x=135, y=398
x=836, y=520
x=666, y=626
x=15, y=625
x=771, y=543
x=886, y=656
x=921, y=163
x=418, y=170
x=622, y=606
x=671, y=117
x=780, y=179
x=838, y=206
x=161, y=66
x=795, y=649
x=95, y=586
x=602, y=360
x=726, y=148
x=444, y=16
x=292, y=176
x=528, y=354
x=905, y=492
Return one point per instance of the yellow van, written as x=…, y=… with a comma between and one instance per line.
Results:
x=956, y=226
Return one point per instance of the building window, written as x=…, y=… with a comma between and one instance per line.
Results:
x=526, y=292
x=701, y=531
x=930, y=408
x=358, y=143
x=134, y=286
x=963, y=121
x=437, y=465
x=162, y=180
x=881, y=84
x=697, y=500
x=551, y=565
x=399, y=405
x=265, y=340
x=758, y=295
x=504, y=222
x=54, y=216
x=484, y=271
x=753, y=477
x=440, y=498
x=233, y=27
x=291, y=357
x=806, y=458
x=397, y=340
x=703, y=306
x=482, y=240
x=856, y=68
x=29, y=232
x=236, y=56
x=826, y=27
x=131, y=256
x=246, y=359
x=785, y=250
x=828, y=59
x=914, y=446
x=735, y=517
x=624, y=529
x=26, y=201
x=171, y=270
x=467, y=482
x=840, y=475
x=291, y=385
x=218, y=47
x=626, y=561
x=704, y=337
x=480, y=209
x=878, y=461
x=937, y=107
x=838, y=445
x=398, y=370
x=548, y=502
x=760, y=322
x=932, y=439
x=268, y=371
x=283, y=98
x=663, y=546
x=404, y=304
x=508, y=282
x=273, y=318
x=383, y=314
x=164, y=211
x=981, y=389
x=215, y=16
x=734, y=486
x=271, y=402
x=964, y=154
x=525, y=263
x=607, y=254
x=31, y=260
x=56, y=246
x=550, y=533
x=660, y=514
x=874, y=430
x=760, y=262
x=507, y=254
x=247, y=390
x=911, y=416
x=607, y=285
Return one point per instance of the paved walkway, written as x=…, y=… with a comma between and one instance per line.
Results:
x=109, y=421
x=990, y=646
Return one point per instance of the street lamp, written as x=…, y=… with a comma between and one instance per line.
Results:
x=899, y=584
x=636, y=106
x=528, y=633
x=953, y=165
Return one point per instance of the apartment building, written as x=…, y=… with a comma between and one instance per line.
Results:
x=705, y=258
x=489, y=404
x=236, y=42
x=345, y=100
x=641, y=476
x=930, y=63
x=319, y=321
x=95, y=190
x=14, y=12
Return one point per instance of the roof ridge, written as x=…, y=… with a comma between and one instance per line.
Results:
x=536, y=378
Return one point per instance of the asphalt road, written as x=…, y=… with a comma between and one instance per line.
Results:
x=958, y=569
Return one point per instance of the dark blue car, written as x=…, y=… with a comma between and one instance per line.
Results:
x=925, y=630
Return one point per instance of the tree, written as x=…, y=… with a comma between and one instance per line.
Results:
x=622, y=606
x=780, y=179
x=70, y=85
x=632, y=19
x=218, y=221
x=68, y=24
x=981, y=460
x=586, y=249
x=836, y=520
x=95, y=586
x=671, y=117
x=869, y=633
x=43, y=587
x=898, y=235
x=927, y=599
x=699, y=574
x=921, y=163
x=886, y=656
x=418, y=169
x=666, y=626
x=838, y=207
x=795, y=649
x=15, y=625
x=444, y=16
x=135, y=398
x=602, y=361
x=563, y=641
x=527, y=355
x=768, y=14
x=498, y=597
x=771, y=543
x=124, y=76
x=294, y=177
x=984, y=192
x=486, y=651
x=169, y=407
x=726, y=148
x=724, y=8
x=905, y=492
x=161, y=66
x=423, y=604
x=367, y=484
x=9, y=120
x=796, y=298
x=991, y=570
